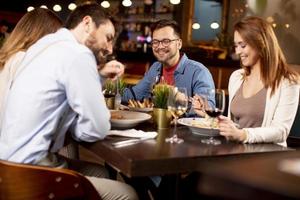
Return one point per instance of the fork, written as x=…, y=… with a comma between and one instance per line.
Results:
x=118, y=96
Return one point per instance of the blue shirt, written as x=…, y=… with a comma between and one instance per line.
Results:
x=192, y=75
x=58, y=89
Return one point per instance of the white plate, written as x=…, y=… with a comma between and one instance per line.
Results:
x=190, y=122
x=129, y=119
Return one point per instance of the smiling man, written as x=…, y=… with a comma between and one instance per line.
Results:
x=59, y=88
x=172, y=67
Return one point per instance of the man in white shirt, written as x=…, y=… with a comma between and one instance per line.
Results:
x=59, y=88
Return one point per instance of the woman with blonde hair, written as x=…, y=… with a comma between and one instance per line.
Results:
x=264, y=94
x=31, y=27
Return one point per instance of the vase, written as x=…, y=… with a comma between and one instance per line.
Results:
x=110, y=101
x=162, y=118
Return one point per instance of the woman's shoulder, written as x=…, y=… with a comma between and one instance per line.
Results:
x=15, y=59
x=285, y=82
x=237, y=75
x=18, y=55
x=235, y=80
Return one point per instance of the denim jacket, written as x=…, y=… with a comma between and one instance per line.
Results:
x=189, y=74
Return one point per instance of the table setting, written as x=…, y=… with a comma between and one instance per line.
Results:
x=164, y=109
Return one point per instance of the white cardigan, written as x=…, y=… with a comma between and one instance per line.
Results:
x=279, y=115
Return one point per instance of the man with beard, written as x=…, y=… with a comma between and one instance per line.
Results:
x=58, y=89
x=172, y=67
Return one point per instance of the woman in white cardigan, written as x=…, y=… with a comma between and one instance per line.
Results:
x=264, y=94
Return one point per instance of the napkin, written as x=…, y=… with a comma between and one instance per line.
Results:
x=133, y=133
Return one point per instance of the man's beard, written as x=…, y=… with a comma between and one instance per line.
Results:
x=166, y=59
x=100, y=55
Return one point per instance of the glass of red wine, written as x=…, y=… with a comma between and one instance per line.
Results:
x=214, y=105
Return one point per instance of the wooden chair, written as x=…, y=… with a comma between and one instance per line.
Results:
x=21, y=181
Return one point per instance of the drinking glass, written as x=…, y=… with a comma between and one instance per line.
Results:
x=213, y=108
x=118, y=97
x=177, y=105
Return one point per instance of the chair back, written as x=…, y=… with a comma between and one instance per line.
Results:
x=295, y=130
x=293, y=139
x=22, y=181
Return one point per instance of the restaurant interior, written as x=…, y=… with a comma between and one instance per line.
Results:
x=226, y=171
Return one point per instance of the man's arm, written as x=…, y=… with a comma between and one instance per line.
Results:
x=202, y=82
x=143, y=88
x=83, y=91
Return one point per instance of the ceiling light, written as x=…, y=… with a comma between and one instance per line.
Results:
x=196, y=25
x=105, y=4
x=214, y=25
x=126, y=3
x=72, y=6
x=44, y=6
x=175, y=2
x=57, y=8
x=30, y=8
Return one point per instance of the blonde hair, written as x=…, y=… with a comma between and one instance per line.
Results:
x=31, y=27
x=259, y=34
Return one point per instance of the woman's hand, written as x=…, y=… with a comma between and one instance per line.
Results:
x=229, y=130
x=198, y=105
x=181, y=97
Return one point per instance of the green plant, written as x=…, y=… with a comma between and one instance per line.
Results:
x=111, y=87
x=161, y=94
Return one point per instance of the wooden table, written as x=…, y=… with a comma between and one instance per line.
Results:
x=251, y=178
x=156, y=157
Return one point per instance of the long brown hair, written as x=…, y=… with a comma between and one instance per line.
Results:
x=31, y=27
x=259, y=34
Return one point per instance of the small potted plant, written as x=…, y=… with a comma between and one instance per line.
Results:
x=110, y=90
x=162, y=117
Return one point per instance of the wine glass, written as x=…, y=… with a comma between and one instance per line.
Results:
x=118, y=97
x=177, y=106
x=214, y=104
